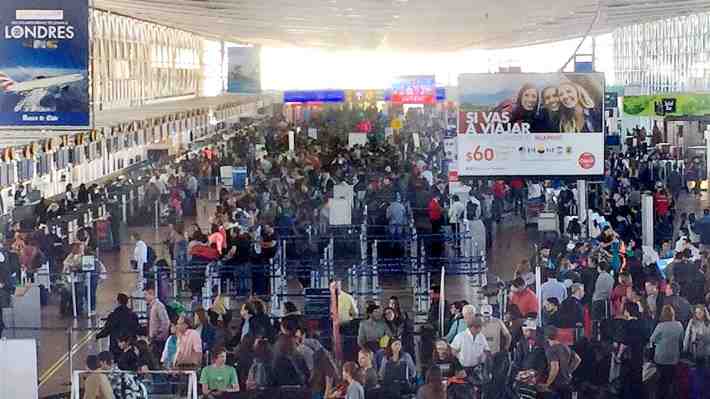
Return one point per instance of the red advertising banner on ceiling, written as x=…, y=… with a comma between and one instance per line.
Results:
x=414, y=90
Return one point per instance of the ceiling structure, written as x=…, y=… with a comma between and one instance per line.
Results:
x=411, y=25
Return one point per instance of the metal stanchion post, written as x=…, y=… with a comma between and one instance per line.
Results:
x=72, y=278
x=157, y=220
x=69, y=353
x=89, y=311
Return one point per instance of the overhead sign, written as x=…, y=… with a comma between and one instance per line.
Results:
x=244, y=74
x=440, y=94
x=531, y=124
x=44, y=78
x=308, y=96
x=414, y=90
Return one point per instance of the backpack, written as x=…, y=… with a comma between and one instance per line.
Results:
x=127, y=386
x=574, y=228
x=151, y=256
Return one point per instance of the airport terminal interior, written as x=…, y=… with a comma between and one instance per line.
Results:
x=341, y=199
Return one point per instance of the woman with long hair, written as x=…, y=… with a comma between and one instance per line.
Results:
x=526, y=105
x=697, y=334
x=445, y=360
x=434, y=388
x=397, y=370
x=353, y=376
x=578, y=113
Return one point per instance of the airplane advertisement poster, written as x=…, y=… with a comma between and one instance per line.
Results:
x=44, y=68
x=244, y=70
x=531, y=124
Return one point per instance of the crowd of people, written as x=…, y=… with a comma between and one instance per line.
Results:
x=640, y=312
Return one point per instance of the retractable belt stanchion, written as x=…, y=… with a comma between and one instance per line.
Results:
x=647, y=220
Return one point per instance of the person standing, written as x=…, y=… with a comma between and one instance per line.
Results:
x=553, y=288
x=158, y=322
x=140, y=253
x=667, y=339
x=471, y=346
x=524, y=298
x=562, y=362
x=219, y=377
x=97, y=384
x=189, y=348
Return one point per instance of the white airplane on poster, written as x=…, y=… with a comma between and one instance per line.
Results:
x=10, y=86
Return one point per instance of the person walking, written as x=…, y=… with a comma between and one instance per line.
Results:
x=122, y=322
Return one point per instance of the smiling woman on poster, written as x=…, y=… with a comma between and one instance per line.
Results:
x=579, y=112
x=548, y=119
x=525, y=108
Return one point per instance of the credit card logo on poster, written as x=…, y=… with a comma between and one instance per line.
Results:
x=414, y=90
x=44, y=80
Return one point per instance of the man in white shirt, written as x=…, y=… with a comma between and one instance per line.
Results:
x=470, y=346
x=553, y=288
x=456, y=211
x=140, y=252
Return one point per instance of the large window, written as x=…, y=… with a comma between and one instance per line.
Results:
x=136, y=61
x=672, y=55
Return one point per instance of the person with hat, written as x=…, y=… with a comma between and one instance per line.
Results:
x=495, y=331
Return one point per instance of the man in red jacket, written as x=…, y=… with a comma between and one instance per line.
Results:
x=524, y=298
x=436, y=215
x=517, y=185
x=661, y=203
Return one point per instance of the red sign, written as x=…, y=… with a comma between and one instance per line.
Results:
x=453, y=176
x=414, y=90
x=587, y=160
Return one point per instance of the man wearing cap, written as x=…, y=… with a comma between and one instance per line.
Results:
x=470, y=346
x=495, y=331
x=529, y=351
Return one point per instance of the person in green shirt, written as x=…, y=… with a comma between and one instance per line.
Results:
x=219, y=378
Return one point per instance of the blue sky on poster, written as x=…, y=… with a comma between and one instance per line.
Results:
x=308, y=69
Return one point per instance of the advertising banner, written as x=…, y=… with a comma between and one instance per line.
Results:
x=314, y=96
x=678, y=104
x=44, y=78
x=531, y=124
x=244, y=70
x=414, y=90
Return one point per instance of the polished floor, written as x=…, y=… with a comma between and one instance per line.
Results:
x=513, y=242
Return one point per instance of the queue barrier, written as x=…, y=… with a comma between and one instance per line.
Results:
x=152, y=384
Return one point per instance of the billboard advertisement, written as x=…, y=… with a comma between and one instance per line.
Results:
x=414, y=90
x=44, y=78
x=531, y=124
x=244, y=74
x=669, y=104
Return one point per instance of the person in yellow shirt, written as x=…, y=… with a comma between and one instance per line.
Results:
x=347, y=308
